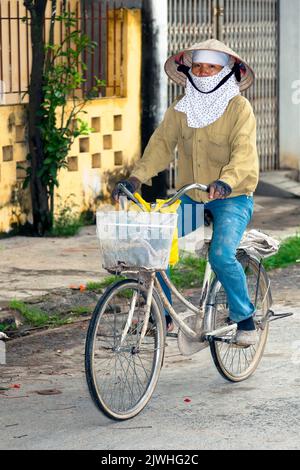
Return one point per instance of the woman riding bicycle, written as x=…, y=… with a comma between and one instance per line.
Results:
x=214, y=128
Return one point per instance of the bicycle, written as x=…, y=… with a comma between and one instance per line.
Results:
x=125, y=342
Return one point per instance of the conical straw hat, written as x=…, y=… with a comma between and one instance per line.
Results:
x=185, y=57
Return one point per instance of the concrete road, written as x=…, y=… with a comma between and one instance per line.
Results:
x=260, y=413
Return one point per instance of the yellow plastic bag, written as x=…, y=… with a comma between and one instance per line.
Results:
x=174, y=253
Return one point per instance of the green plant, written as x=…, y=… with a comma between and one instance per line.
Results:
x=77, y=311
x=189, y=272
x=289, y=253
x=99, y=286
x=66, y=222
x=63, y=76
x=35, y=316
x=5, y=327
x=87, y=217
x=126, y=294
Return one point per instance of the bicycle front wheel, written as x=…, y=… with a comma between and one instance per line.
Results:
x=233, y=362
x=121, y=372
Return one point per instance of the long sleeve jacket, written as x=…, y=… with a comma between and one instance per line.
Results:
x=225, y=150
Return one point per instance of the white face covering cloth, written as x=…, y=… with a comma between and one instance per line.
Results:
x=201, y=109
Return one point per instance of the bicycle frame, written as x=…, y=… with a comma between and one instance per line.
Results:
x=204, y=323
x=203, y=312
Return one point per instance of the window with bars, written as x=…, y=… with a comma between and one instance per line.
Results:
x=101, y=20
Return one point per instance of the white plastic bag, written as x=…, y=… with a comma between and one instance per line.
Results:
x=259, y=244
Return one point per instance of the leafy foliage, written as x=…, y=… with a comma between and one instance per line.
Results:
x=63, y=100
x=35, y=316
x=289, y=253
x=66, y=222
x=189, y=272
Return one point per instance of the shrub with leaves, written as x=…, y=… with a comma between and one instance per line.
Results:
x=63, y=101
x=66, y=221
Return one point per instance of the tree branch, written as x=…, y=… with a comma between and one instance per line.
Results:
x=40, y=7
x=51, y=34
x=28, y=4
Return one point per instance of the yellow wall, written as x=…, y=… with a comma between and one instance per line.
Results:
x=85, y=182
x=13, y=150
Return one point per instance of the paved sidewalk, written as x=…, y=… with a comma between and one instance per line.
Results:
x=33, y=266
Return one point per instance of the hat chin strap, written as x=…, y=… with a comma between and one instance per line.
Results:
x=185, y=70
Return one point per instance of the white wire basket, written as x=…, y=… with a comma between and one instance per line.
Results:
x=135, y=239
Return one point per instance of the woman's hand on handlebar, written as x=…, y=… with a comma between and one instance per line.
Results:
x=219, y=190
x=132, y=184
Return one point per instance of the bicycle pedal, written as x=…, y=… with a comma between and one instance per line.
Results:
x=278, y=316
x=219, y=339
x=230, y=341
x=172, y=335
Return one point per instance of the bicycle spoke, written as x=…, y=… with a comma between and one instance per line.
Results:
x=239, y=363
x=228, y=350
x=139, y=382
x=245, y=355
x=126, y=380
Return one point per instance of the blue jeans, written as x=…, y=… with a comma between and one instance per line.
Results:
x=230, y=219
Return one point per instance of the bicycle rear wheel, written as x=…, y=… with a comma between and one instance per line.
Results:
x=122, y=377
x=233, y=362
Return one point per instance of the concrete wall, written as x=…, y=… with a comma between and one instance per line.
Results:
x=160, y=25
x=114, y=143
x=290, y=83
x=13, y=151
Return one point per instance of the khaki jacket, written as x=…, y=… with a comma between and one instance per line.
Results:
x=226, y=150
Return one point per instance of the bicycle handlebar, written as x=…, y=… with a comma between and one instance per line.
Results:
x=184, y=190
x=130, y=196
x=181, y=192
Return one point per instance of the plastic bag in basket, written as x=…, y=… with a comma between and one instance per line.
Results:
x=174, y=253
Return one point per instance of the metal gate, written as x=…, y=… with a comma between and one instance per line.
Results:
x=251, y=27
